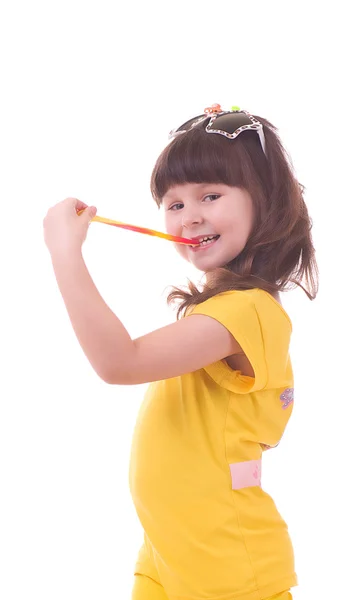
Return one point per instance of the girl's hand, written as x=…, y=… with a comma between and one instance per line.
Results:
x=64, y=230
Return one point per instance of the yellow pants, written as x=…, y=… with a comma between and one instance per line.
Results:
x=148, y=589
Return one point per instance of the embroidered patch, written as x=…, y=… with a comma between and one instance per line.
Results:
x=246, y=474
x=287, y=397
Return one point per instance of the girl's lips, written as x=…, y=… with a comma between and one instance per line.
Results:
x=204, y=246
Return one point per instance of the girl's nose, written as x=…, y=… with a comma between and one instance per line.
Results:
x=190, y=219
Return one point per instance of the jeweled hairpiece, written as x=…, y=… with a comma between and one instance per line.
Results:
x=228, y=123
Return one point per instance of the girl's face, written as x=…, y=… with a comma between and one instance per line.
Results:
x=209, y=209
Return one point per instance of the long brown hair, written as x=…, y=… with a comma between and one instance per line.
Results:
x=279, y=254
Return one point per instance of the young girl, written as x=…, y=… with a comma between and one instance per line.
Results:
x=222, y=381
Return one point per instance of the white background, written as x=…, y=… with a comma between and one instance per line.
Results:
x=89, y=92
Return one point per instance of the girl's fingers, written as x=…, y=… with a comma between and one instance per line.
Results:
x=79, y=205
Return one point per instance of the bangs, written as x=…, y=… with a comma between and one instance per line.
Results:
x=198, y=157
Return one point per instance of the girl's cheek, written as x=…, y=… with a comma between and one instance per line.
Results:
x=171, y=226
x=166, y=223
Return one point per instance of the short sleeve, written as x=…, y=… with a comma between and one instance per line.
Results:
x=236, y=310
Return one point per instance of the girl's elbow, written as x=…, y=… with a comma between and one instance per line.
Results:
x=119, y=378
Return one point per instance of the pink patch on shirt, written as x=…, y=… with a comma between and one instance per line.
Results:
x=246, y=474
x=287, y=397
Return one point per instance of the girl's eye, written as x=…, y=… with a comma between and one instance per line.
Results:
x=213, y=196
x=179, y=204
x=174, y=206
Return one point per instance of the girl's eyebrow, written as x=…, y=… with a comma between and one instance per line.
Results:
x=200, y=186
x=170, y=197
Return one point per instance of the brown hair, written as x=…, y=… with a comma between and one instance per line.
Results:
x=279, y=253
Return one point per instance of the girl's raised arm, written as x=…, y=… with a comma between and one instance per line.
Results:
x=182, y=347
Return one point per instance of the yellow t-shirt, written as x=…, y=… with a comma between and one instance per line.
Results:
x=210, y=530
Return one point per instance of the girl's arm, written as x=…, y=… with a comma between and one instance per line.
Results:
x=182, y=347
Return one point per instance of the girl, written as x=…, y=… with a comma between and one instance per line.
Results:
x=222, y=381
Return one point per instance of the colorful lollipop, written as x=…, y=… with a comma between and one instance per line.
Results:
x=166, y=236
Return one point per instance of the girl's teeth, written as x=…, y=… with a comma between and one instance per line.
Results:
x=208, y=241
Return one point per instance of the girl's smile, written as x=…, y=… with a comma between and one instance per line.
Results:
x=205, y=243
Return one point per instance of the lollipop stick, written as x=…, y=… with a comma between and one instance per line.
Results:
x=166, y=236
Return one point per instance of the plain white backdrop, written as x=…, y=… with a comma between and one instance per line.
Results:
x=89, y=92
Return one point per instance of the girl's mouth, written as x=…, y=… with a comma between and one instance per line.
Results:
x=206, y=242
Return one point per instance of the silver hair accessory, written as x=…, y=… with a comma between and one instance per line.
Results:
x=228, y=123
